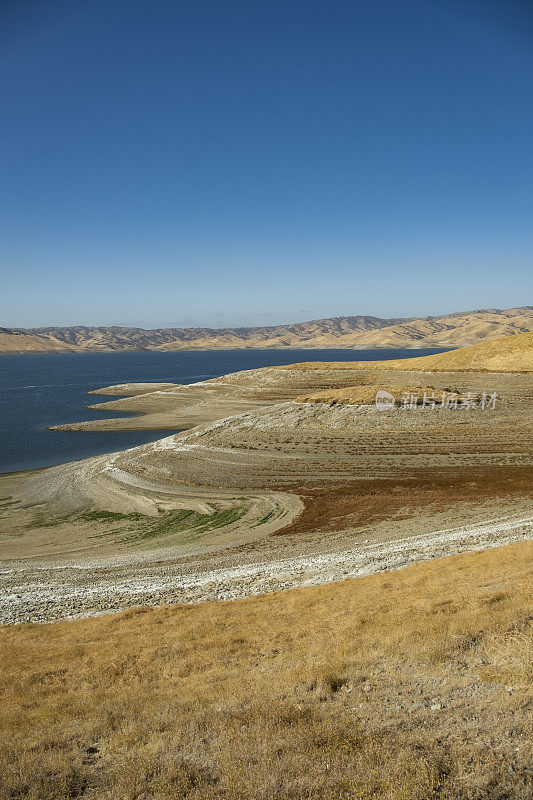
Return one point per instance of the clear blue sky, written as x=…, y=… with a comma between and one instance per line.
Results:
x=189, y=163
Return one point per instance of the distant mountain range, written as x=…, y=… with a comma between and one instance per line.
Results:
x=448, y=330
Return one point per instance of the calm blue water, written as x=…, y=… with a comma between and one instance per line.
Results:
x=51, y=389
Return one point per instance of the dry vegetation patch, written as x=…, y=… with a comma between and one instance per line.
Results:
x=364, y=395
x=405, y=685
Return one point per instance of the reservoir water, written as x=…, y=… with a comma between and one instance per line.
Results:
x=37, y=390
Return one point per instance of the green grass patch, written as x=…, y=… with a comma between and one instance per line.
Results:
x=109, y=516
x=6, y=502
x=40, y=521
x=266, y=518
x=138, y=528
x=184, y=520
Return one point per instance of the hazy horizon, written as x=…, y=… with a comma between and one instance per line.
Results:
x=298, y=318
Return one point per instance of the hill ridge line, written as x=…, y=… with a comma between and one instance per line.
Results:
x=456, y=329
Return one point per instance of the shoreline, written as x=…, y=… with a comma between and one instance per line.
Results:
x=424, y=346
x=263, y=491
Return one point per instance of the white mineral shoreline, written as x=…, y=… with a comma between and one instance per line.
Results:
x=75, y=591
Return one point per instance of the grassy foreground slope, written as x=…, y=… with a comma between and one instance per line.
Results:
x=507, y=354
x=407, y=685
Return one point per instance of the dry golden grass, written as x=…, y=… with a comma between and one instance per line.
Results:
x=26, y=343
x=405, y=686
x=364, y=394
x=508, y=354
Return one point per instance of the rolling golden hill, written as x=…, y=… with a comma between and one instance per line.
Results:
x=365, y=332
x=15, y=342
x=507, y=354
x=452, y=330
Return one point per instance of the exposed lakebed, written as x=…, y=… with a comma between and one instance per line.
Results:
x=39, y=390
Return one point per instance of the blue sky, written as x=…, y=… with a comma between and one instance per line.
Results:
x=232, y=163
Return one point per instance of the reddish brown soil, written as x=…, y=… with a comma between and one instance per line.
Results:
x=330, y=508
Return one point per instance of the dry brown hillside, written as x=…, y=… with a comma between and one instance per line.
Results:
x=453, y=330
x=449, y=330
x=25, y=343
x=508, y=354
